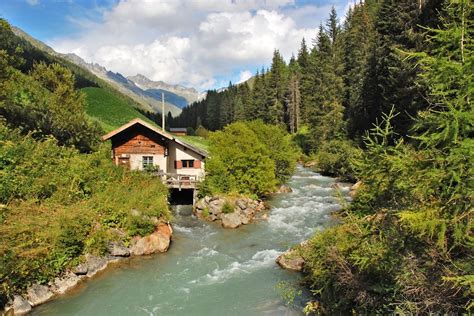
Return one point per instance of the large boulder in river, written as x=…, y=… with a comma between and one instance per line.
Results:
x=232, y=211
x=284, y=189
x=38, y=294
x=231, y=220
x=158, y=241
x=291, y=260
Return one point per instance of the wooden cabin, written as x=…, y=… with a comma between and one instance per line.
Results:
x=139, y=144
x=179, y=131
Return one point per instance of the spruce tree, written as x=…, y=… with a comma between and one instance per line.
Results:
x=293, y=96
x=389, y=81
x=276, y=89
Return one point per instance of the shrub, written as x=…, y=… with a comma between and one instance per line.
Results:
x=190, y=131
x=202, y=132
x=239, y=162
x=140, y=226
x=282, y=151
x=227, y=207
x=335, y=157
x=248, y=158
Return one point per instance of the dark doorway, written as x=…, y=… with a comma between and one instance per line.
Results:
x=183, y=197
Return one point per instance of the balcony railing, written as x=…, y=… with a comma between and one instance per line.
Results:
x=179, y=181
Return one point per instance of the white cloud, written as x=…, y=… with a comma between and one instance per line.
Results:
x=244, y=76
x=192, y=42
x=32, y=2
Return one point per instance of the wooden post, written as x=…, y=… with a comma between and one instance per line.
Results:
x=163, y=111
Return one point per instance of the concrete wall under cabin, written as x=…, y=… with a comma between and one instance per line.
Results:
x=137, y=142
x=178, y=152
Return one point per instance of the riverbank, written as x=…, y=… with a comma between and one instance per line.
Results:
x=37, y=294
x=210, y=270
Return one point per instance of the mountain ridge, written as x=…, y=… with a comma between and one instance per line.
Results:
x=141, y=89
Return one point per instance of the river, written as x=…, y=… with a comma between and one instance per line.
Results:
x=210, y=270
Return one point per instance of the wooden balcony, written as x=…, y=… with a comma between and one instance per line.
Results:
x=179, y=181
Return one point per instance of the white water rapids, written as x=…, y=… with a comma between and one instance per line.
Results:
x=210, y=270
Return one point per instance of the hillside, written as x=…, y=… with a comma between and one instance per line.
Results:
x=34, y=51
x=108, y=110
x=148, y=100
x=142, y=92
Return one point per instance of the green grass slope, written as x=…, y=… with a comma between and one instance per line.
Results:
x=196, y=141
x=109, y=110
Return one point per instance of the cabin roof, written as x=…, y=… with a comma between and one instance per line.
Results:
x=140, y=122
x=178, y=129
x=157, y=130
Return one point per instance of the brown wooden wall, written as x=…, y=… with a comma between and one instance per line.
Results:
x=138, y=140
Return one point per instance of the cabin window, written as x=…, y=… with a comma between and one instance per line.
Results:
x=147, y=161
x=188, y=163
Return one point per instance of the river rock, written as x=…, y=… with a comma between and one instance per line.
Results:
x=81, y=269
x=215, y=206
x=231, y=220
x=62, y=284
x=290, y=260
x=244, y=210
x=241, y=204
x=284, y=189
x=244, y=219
x=38, y=294
x=95, y=264
x=19, y=306
x=200, y=205
x=356, y=186
x=158, y=241
x=118, y=250
x=310, y=164
x=354, y=189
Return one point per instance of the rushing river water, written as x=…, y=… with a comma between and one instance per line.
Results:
x=210, y=270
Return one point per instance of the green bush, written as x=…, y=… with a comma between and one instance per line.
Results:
x=46, y=103
x=334, y=158
x=140, y=226
x=248, y=158
x=282, y=151
x=239, y=162
x=190, y=131
x=202, y=132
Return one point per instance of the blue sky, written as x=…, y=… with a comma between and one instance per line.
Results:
x=200, y=43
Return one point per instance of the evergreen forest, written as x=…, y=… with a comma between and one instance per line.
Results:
x=384, y=98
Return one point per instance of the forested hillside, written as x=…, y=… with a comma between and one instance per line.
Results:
x=340, y=83
x=385, y=99
x=32, y=51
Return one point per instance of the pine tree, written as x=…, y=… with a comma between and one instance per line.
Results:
x=358, y=43
x=325, y=116
x=293, y=96
x=276, y=89
x=305, y=81
x=390, y=79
